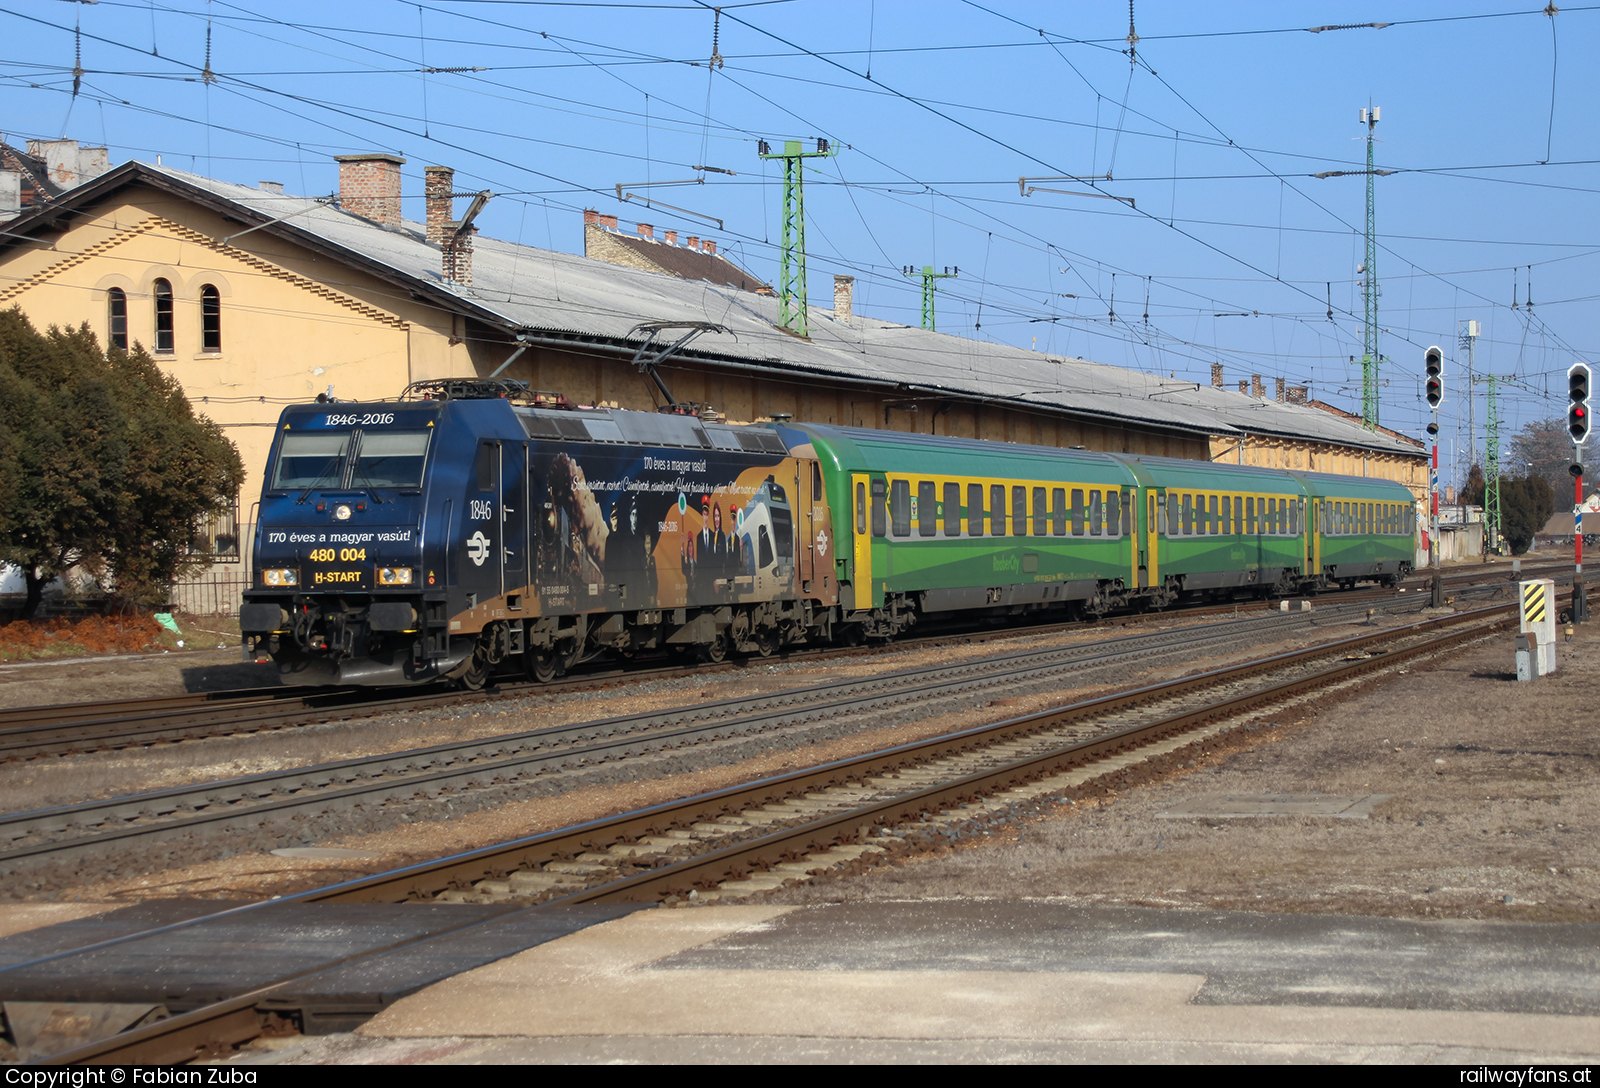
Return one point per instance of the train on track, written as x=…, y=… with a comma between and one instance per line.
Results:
x=471, y=528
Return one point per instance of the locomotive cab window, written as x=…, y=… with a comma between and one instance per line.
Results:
x=311, y=459
x=392, y=459
x=488, y=455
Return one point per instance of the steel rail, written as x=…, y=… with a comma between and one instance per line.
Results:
x=492, y=760
x=226, y=1023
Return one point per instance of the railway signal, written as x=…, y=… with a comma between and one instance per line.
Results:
x=1433, y=363
x=1578, y=402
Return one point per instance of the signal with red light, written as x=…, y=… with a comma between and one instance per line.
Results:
x=1578, y=402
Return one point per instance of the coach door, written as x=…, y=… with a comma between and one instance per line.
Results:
x=1314, y=538
x=513, y=523
x=866, y=505
x=1150, y=539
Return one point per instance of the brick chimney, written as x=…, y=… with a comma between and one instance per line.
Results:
x=1298, y=394
x=647, y=231
x=694, y=243
x=1216, y=375
x=369, y=186
x=843, y=297
x=708, y=246
x=438, y=183
x=1244, y=387
x=672, y=237
x=1256, y=388
x=591, y=218
x=458, y=255
x=1280, y=390
x=609, y=221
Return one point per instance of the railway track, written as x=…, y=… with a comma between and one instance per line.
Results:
x=207, y=810
x=79, y=728
x=744, y=840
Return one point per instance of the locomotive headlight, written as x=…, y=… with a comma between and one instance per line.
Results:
x=280, y=577
x=341, y=512
x=395, y=576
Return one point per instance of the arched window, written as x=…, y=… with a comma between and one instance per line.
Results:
x=210, y=319
x=117, y=312
x=163, y=294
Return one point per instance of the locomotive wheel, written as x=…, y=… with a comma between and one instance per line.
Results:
x=714, y=652
x=477, y=674
x=541, y=666
x=766, y=642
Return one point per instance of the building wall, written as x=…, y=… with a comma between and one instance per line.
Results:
x=1322, y=457
x=292, y=326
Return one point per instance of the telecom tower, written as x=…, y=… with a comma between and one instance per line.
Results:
x=929, y=276
x=792, y=274
x=1369, y=288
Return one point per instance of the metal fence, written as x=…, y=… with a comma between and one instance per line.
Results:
x=216, y=592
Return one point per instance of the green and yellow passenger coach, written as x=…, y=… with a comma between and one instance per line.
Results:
x=932, y=524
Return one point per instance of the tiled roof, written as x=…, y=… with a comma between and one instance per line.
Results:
x=689, y=264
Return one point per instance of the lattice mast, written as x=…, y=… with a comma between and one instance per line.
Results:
x=929, y=285
x=1369, y=286
x=792, y=269
x=1492, y=525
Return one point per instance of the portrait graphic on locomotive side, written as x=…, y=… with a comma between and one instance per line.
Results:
x=620, y=528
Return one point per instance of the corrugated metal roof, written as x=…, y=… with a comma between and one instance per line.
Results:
x=540, y=290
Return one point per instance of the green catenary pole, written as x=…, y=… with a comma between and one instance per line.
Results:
x=928, y=276
x=792, y=271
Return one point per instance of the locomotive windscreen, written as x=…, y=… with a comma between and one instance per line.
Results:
x=390, y=459
x=311, y=460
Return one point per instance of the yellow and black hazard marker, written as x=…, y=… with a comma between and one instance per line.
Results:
x=1533, y=602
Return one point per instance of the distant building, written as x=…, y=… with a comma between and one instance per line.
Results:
x=46, y=170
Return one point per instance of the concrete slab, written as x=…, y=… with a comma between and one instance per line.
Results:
x=1235, y=806
x=877, y=984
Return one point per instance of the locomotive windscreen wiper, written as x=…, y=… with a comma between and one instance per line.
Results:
x=320, y=477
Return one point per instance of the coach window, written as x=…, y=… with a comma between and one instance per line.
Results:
x=210, y=319
x=1294, y=516
x=1188, y=515
x=974, y=509
x=1041, y=512
x=1113, y=522
x=900, y=507
x=1058, y=511
x=997, y=509
x=952, y=509
x=878, y=518
x=1019, y=511
x=1126, y=528
x=927, y=508
x=117, y=312
x=163, y=296
x=1250, y=515
x=1096, y=514
x=861, y=509
x=1077, y=512
x=1171, y=527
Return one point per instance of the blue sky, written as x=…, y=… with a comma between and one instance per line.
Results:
x=1230, y=251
